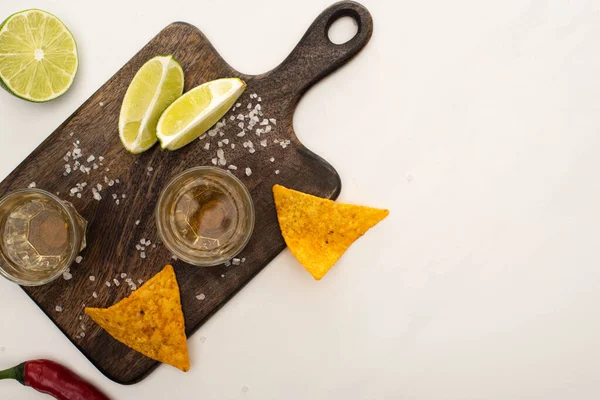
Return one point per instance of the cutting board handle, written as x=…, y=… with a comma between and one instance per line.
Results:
x=316, y=56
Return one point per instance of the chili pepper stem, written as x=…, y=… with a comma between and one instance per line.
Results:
x=16, y=372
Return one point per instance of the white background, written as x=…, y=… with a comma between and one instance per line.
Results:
x=475, y=122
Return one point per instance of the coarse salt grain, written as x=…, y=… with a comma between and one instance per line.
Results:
x=31, y=185
x=123, y=275
x=91, y=158
x=116, y=281
x=78, y=259
x=95, y=295
x=263, y=143
x=272, y=159
x=92, y=278
x=58, y=308
x=201, y=296
x=276, y=172
x=143, y=254
x=97, y=195
x=248, y=171
x=107, y=283
x=67, y=275
x=236, y=261
x=137, y=222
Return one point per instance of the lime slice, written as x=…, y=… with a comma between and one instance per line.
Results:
x=196, y=111
x=38, y=56
x=155, y=86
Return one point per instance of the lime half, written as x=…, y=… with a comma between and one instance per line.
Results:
x=38, y=56
x=196, y=111
x=155, y=86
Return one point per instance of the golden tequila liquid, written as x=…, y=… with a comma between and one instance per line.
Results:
x=205, y=217
x=40, y=236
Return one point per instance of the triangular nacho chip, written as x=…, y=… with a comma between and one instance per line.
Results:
x=318, y=231
x=150, y=320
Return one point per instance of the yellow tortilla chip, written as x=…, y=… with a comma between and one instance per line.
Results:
x=150, y=320
x=318, y=231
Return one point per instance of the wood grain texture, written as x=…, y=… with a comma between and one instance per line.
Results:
x=113, y=232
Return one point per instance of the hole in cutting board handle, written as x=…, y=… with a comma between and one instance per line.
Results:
x=343, y=30
x=343, y=27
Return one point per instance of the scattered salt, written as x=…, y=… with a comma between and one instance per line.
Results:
x=67, y=275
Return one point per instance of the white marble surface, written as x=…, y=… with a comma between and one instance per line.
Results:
x=476, y=122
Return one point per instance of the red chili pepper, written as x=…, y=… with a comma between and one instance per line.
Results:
x=49, y=377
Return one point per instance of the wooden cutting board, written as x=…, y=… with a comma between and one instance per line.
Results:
x=134, y=182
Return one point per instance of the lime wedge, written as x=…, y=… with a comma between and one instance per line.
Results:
x=155, y=86
x=38, y=56
x=196, y=111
